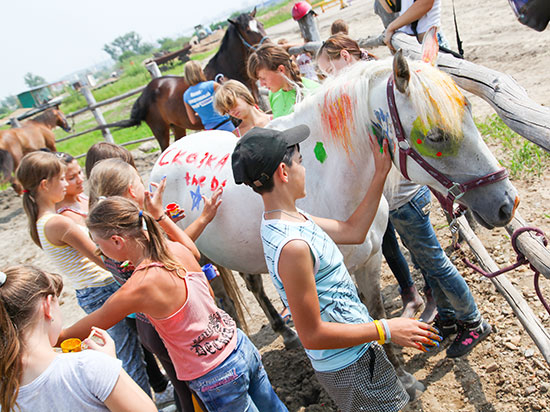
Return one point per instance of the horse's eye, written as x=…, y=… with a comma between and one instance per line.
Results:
x=438, y=135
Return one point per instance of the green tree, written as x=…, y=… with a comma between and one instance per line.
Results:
x=125, y=45
x=33, y=80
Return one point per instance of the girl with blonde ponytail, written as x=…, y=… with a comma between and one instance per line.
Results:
x=68, y=245
x=272, y=66
x=34, y=377
x=218, y=361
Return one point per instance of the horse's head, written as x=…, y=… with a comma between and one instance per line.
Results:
x=440, y=144
x=250, y=30
x=60, y=119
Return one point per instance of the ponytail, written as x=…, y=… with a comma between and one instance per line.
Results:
x=19, y=297
x=33, y=169
x=118, y=215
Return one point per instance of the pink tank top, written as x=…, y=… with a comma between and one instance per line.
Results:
x=199, y=336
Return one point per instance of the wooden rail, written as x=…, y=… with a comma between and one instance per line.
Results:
x=107, y=101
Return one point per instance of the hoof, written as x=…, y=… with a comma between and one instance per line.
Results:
x=411, y=385
x=291, y=340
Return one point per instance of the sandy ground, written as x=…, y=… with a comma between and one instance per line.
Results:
x=505, y=372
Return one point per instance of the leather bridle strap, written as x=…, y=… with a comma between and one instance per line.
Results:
x=455, y=190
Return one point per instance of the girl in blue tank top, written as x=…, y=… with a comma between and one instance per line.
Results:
x=199, y=100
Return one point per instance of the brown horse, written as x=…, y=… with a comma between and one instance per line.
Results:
x=33, y=135
x=161, y=103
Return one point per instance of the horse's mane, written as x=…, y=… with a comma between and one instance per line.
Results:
x=343, y=112
x=47, y=117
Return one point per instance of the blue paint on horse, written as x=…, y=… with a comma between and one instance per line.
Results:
x=196, y=197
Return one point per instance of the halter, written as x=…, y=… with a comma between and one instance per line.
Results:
x=247, y=44
x=455, y=190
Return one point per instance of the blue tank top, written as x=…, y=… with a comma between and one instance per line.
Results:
x=201, y=99
x=338, y=298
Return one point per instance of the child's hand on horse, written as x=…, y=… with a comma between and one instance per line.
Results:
x=382, y=157
x=153, y=199
x=413, y=333
x=212, y=204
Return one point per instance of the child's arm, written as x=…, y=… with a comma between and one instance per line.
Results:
x=209, y=211
x=153, y=203
x=119, y=305
x=355, y=229
x=191, y=114
x=127, y=396
x=417, y=10
x=297, y=274
x=61, y=230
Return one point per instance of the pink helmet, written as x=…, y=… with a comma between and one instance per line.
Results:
x=300, y=9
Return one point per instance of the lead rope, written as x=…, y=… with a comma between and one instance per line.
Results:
x=521, y=259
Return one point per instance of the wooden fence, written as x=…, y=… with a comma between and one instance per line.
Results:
x=94, y=107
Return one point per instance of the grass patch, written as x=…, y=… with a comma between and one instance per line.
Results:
x=519, y=156
x=205, y=55
x=275, y=14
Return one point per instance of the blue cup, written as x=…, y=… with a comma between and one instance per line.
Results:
x=209, y=271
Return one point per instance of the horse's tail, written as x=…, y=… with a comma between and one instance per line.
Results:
x=139, y=110
x=6, y=166
x=234, y=293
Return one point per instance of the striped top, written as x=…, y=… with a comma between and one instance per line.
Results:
x=338, y=298
x=81, y=272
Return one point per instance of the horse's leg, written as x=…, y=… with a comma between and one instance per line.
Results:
x=255, y=285
x=159, y=127
x=49, y=139
x=179, y=132
x=368, y=283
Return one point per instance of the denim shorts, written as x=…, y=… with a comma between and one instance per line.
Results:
x=239, y=383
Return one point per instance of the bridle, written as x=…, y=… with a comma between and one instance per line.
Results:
x=247, y=44
x=455, y=190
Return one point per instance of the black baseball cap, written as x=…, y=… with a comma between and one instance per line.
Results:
x=260, y=151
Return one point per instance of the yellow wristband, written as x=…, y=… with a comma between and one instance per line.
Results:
x=381, y=334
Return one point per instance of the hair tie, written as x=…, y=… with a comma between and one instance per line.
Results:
x=101, y=198
x=3, y=278
x=25, y=191
x=140, y=214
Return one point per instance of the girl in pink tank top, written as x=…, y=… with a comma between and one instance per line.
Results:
x=220, y=363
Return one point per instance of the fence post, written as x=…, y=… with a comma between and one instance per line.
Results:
x=97, y=113
x=153, y=70
x=14, y=122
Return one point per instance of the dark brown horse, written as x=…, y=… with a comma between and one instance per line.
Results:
x=161, y=106
x=33, y=135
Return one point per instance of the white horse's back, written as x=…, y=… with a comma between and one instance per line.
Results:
x=195, y=167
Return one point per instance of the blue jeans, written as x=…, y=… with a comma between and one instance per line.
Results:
x=239, y=383
x=395, y=259
x=128, y=347
x=450, y=291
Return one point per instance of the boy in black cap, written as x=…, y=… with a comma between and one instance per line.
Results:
x=309, y=273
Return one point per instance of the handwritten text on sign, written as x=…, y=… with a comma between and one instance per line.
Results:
x=203, y=160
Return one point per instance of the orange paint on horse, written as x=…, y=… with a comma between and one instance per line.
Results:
x=337, y=118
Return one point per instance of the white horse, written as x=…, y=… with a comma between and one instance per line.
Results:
x=342, y=115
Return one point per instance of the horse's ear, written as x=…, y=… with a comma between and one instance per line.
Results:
x=253, y=13
x=401, y=72
x=232, y=21
x=430, y=46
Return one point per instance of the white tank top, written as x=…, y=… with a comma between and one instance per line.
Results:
x=431, y=18
x=81, y=271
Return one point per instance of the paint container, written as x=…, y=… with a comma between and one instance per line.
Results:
x=71, y=345
x=209, y=271
x=173, y=210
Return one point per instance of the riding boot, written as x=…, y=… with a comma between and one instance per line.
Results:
x=412, y=301
x=430, y=310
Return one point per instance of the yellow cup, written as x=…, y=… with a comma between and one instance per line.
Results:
x=71, y=345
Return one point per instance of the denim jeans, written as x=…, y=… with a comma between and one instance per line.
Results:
x=128, y=347
x=395, y=259
x=450, y=291
x=239, y=383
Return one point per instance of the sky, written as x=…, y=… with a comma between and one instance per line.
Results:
x=57, y=37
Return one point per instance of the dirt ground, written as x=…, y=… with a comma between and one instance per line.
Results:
x=505, y=372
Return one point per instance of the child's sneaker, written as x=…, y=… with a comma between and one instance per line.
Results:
x=468, y=336
x=446, y=328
